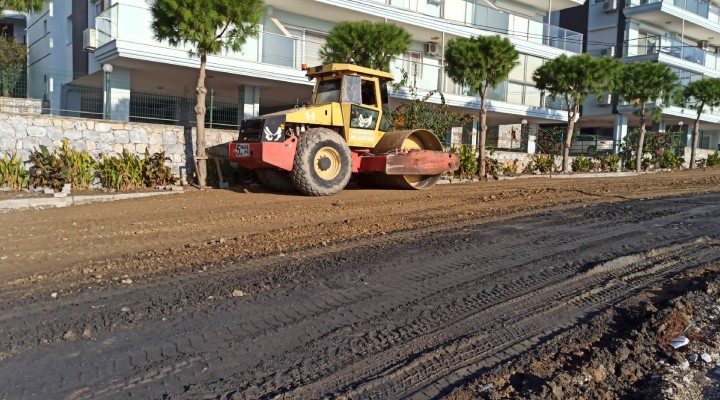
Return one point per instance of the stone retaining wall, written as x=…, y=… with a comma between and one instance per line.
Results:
x=24, y=133
x=13, y=105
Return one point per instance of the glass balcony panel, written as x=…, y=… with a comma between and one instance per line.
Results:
x=536, y=31
x=533, y=96
x=515, y=92
x=278, y=49
x=499, y=93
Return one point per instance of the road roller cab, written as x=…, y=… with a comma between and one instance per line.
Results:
x=345, y=130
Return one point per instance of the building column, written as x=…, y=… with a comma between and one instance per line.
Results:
x=620, y=130
x=532, y=128
x=249, y=102
x=119, y=94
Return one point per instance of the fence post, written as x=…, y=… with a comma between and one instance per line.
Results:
x=212, y=102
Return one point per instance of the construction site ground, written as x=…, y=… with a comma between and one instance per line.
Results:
x=527, y=288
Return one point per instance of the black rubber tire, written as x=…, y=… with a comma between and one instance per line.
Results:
x=275, y=181
x=304, y=176
x=591, y=151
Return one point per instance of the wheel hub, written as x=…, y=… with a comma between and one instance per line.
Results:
x=327, y=163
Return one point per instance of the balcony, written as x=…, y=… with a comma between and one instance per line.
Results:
x=698, y=18
x=657, y=45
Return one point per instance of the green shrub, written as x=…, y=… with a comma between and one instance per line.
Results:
x=581, y=164
x=713, y=159
x=156, y=172
x=468, y=161
x=541, y=162
x=63, y=166
x=669, y=160
x=12, y=173
x=126, y=172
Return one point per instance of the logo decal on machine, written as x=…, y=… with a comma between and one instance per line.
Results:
x=273, y=136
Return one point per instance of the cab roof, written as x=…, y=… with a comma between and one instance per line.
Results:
x=346, y=69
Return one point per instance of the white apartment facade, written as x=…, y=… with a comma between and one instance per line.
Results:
x=154, y=82
x=682, y=34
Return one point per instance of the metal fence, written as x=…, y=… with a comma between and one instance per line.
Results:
x=78, y=95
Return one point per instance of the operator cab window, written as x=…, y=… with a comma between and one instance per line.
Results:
x=351, y=90
x=369, y=97
x=328, y=91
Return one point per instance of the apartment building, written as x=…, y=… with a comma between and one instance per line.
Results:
x=683, y=34
x=151, y=81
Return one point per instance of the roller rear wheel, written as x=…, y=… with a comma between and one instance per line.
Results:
x=323, y=163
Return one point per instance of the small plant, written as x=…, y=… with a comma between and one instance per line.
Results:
x=713, y=159
x=126, y=172
x=581, y=164
x=47, y=169
x=669, y=160
x=609, y=162
x=468, y=160
x=542, y=162
x=12, y=173
x=156, y=172
x=80, y=166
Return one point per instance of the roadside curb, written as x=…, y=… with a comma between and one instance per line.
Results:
x=57, y=202
x=589, y=175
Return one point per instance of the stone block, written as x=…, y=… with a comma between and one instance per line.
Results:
x=227, y=137
x=141, y=147
x=54, y=133
x=122, y=137
x=37, y=131
x=117, y=126
x=68, y=124
x=106, y=137
x=169, y=138
x=91, y=145
x=30, y=143
x=174, y=149
x=6, y=128
x=19, y=123
x=105, y=148
x=155, y=149
x=57, y=122
x=7, y=144
x=82, y=125
x=155, y=139
x=138, y=135
x=47, y=142
x=91, y=135
x=102, y=127
x=90, y=125
x=129, y=147
x=42, y=122
x=73, y=134
x=79, y=145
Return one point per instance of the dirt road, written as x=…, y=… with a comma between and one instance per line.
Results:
x=370, y=294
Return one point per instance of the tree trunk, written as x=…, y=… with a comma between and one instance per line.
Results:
x=572, y=114
x=200, y=114
x=483, y=132
x=641, y=141
x=695, y=138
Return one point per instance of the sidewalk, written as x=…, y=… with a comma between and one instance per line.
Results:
x=45, y=202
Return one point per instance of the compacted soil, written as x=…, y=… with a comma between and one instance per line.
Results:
x=527, y=288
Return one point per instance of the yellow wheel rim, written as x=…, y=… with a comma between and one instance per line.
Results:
x=412, y=142
x=327, y=163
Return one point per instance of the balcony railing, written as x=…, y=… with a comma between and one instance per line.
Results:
x=674, y=48
x=279, y=50
x=493, y=20
x=702, y=8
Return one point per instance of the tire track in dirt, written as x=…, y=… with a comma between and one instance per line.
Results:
x=366, y=318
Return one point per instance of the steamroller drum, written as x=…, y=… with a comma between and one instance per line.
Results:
x=418, y=139
x=275, y=181
x=323, y=163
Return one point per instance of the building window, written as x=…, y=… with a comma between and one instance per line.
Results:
x=413, y=64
